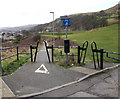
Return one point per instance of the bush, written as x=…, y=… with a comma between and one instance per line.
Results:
x=9, y=68
x=18, y=37
x=37, y=37
x=16, y=42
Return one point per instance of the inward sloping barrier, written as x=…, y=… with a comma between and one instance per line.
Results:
x=82, y=52
x=81, y=55
x=36, y=48
x=49, y=47
x=98, y=55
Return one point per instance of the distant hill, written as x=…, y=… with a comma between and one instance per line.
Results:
x=18, y=28
x=113, y=9
x=76, y=20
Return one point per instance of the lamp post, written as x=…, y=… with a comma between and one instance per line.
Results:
x=53, y=27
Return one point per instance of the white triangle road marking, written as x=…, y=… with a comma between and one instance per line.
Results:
x=42, y=71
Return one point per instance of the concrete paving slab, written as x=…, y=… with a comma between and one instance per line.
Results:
x=83, y=70
x=105, y=65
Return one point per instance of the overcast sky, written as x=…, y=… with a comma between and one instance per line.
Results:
x=23, y=12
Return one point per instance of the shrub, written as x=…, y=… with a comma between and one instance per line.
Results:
x=37, y=37
x=16, y=42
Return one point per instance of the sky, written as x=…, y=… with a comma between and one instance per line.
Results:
x=23, y=12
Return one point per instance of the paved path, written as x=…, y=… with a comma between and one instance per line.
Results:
x=103, y=84
x=59, y=82
x=26, y=81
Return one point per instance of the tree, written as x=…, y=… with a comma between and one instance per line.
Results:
x=18, y=37
x=37, y=37
x=25, y=32
x=3, y=35
x=102, y=22
x=89, y=22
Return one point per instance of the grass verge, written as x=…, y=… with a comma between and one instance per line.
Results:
x=11, y=66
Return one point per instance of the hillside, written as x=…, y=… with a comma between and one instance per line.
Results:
x=115, y=9
x=105, y=37
x=84, y=21
x=102, y=36
x=18, y=28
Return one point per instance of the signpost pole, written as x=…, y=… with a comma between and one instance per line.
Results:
x=66, y=32
x=66, y=23
x=66, y=53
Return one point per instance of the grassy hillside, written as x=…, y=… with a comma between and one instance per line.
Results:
x=84, y=21
x=113, y=9
x=106, y=37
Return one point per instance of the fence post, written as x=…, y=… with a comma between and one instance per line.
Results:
x=52, y=54
x=101, y=58
x=72, y=57
x=31, y=53
x=79, y=54
x=17, y=53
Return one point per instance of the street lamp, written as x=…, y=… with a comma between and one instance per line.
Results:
x=53, y=27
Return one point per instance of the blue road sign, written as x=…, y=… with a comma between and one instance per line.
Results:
x=66, y=22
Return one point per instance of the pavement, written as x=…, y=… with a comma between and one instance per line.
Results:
x=102, y=84
x=27, y=81
x=55, y=81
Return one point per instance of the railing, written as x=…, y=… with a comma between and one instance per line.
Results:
x=98, y=55
x=18, y=53
x=81, y=55
x=49, y=47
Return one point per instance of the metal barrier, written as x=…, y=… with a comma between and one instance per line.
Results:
x=81, y=52
x=107, y=55
x=34, y=47
x=98, y=60
x=49, y=47
x=17, y=51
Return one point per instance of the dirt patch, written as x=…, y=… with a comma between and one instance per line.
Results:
x=24, y=41
x=58, y=41
x=29, y=41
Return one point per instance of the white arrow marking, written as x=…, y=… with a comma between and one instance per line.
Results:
x=44, y=69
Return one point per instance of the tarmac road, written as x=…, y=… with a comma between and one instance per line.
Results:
x=26, y=81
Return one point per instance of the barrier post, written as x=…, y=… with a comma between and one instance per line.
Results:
x=79, y=54
x=101, y=58
x=52, y=54
x=31, y=53
x=17, y=53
